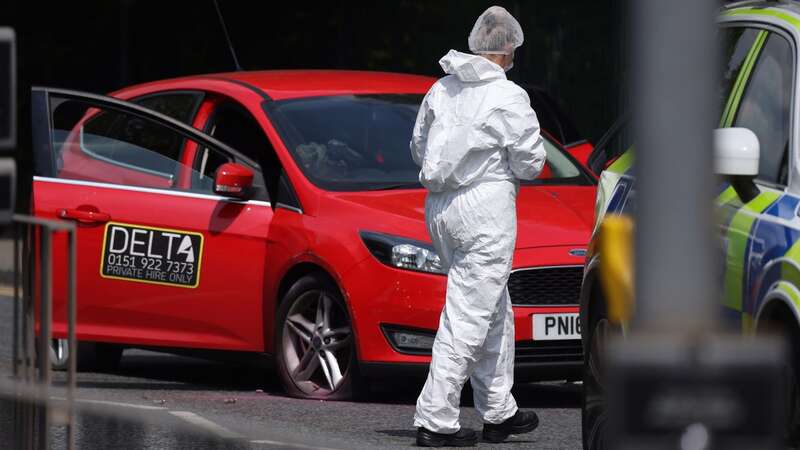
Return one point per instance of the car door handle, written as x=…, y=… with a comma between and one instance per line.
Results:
x=83, y=216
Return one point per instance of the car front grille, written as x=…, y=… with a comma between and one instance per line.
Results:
x=549, y=351
x=548, y=286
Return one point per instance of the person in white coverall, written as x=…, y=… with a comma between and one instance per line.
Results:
x=475, y=137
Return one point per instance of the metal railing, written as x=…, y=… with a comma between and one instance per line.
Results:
x=99, y=425
x=31, y=366
x=41, y=414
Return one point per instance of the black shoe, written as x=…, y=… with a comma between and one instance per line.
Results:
x=461, y=438
x=521, y=422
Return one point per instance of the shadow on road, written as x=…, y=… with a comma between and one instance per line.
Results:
x=412, y=435
x=173, y=372
x=142, y=370
x=406, y=433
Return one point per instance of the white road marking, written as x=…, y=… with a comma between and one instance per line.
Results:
x=206, y=424
x=196, y=420
x=110, y=403
x=286, y=444
x=123, y=405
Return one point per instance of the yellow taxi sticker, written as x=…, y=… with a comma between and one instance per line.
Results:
x=151, y=255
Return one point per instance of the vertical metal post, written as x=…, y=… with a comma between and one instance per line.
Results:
x=72, y=342
x=31, y=248
x=46, y=291
x=673, y=56
x=25, y=438
x=16, y=325
x=27, y=410
x=19, y=412
x=22, y=409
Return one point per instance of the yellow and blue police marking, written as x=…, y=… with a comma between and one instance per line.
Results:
x=761, y=238
x=760, y=245
x=756, y=236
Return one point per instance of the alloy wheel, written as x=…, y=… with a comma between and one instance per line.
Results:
x=317, y=343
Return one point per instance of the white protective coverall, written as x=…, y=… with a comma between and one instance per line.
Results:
x=476, y=135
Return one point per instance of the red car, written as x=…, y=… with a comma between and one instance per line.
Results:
x=279, y=213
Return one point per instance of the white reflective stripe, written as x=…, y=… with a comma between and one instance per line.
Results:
x=150, y=190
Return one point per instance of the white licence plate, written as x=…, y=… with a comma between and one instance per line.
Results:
x=556, y=326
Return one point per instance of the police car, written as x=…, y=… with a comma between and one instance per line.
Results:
x=759, y=217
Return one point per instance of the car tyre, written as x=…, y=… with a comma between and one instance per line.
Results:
x=104, y=358
x=59, y=354
x=315, y=343
x=791, y=334
x=594, y=416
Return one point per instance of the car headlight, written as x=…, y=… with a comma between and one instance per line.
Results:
x=402, y=253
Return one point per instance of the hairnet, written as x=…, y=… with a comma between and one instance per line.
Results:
x=495, y=32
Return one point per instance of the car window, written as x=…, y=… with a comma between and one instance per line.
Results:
x=163, y=146
x=112, y=146
x=557, y=163
x=131, y=141
x=765, y=107
x=231, y=124
x=180, y=106
x=735, y=43
x=350, y=143
x=360, y=142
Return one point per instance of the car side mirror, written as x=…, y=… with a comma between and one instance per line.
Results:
x=233, y=180
x=736, y=153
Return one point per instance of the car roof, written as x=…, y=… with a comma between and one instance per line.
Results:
x=288, y=84
x=792, y=6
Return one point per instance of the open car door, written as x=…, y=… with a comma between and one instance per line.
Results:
x=162, y=259
x=616, y=141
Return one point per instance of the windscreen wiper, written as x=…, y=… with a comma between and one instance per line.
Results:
x=393, y=186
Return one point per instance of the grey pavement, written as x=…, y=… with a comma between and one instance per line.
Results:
x=248, y=403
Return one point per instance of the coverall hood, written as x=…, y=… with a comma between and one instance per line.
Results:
x=470, y=68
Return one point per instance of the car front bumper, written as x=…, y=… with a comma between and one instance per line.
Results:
x=381, y=296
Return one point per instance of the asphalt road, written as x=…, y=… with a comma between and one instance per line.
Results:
x=248, y=407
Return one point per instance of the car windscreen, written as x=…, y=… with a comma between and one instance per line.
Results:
x=361, y=142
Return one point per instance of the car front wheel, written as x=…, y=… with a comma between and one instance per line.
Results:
x=790, y=333
x=314, y=342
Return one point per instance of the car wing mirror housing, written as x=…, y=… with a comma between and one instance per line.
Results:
x=233, y=180
x=736, y=153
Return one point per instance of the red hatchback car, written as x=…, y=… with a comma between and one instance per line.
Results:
x=279, y=213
